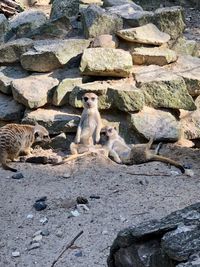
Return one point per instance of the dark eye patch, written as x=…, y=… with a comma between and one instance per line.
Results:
x=110, y=130
x=85, y=99
x=36, y=135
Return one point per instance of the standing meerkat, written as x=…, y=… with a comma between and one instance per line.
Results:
x=17, y=138
x=89, y=128
x=134, y=154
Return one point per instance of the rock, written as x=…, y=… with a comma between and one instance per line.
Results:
x=188, y=67
x=45, y=232
x=37, y=238
x=10, y=110
x=74, y=213
x=43, y=198
x=50, y=54
x=170, y=20
x=91, y=2
x=184, y=46
x=110, y=3
x=150, y=56
x=155, y=123
x=27, y=21
x=35, y=90
x=38, y=160
x=126, y=98
x=190, y=122
x=99, y=88
x=81, y=200
x=59, y=233
x=159, y=242
x=34, y=246
x=193, y=261
x=17, y=176
x=30, y=216
x=78, y=254
x=97, y=21
x=55, y=120
x=44, y=220
x=40, y=205
x=11, y=51
x=106, y=62
x=62, y=8
x=125, y=11
x=162, y=88
x=16, y=254
x=7, y=75
x=4, y=27
x=105, y=41
x=147, y=34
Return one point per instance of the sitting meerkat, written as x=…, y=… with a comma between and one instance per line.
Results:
x=88, y=131
x=133, y=154
x=17, y=138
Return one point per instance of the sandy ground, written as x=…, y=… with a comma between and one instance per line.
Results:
x=128, y=196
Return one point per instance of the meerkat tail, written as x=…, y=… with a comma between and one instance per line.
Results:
x=168, y=160
x=6, y=167
x=73, y=157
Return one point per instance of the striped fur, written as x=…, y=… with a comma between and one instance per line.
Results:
x=17, y=138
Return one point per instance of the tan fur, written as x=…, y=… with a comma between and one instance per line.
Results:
x=88, y=131
x=134, y=154
x=16, y=139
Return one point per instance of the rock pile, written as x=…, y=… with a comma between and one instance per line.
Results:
x=169, y=242
x=134, y=60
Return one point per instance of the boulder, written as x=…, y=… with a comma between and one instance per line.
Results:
x=190, y=122
x=162, y=88
x=105, y=41
x=184, y=46
x=9, y=74
x=97, y=21
x=170, y=20
x=99, y=88
x=110, y=3
x=54, y=119
x=4, y=27
x=147, y=34
x=153, y=56
x=10, y=52
x=188, y=67
x=62, y=8
x=26, y=21
x=10, y=110
x=91, y=2
x=168, y=242
x=106, y=62
x=35, y=90
x=150, y=122
x=51, y=54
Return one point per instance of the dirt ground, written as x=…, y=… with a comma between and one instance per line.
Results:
x=128, y=196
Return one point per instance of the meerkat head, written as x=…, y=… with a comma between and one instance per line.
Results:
x=40, y=133
x=111, y=131
x=90, y=100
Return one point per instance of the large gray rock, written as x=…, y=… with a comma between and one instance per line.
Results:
x=97, y=21
x=188, y=67
x=51, y=54
x=10, y=52
x=54, y=119
x=99, y=88
x=147, y=34
x=27, y=21
x=162, y=88
x=4, y=27
x=62, y=8
x=125, y=10
x=9, y=74
x=159, y=124
x=109, y=3
x=159, y=243
x=106, y=62
x=184, y=46
x=190, y=121
x=10, y=110
x=35, y=90
x=153, y=56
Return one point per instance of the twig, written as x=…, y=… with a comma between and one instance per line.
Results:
x=148, y=174
x=70, y=244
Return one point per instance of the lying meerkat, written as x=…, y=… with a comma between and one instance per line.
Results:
x=134, y=154
x=88, y=131
x=17, y=138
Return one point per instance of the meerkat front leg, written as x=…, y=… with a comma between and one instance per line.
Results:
x=115, y=156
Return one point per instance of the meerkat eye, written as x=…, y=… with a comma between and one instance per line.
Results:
x=93, y=98
x=85, y=99
x=110, y=130
x=46, y=136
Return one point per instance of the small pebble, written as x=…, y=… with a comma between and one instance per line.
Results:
x=40, y=205
x=15, y=253
x=45, y=232
x=94, y=197
x=37, y=238
x=34, y=246
x=30, y=216
x=83, y=207
x=78, y=254
x=82, y=200
x=17, y=176
x=105, y=232
x=75, y=213
x=59, y=233
x=66, y=175
x=44, y=198
x=44, y=220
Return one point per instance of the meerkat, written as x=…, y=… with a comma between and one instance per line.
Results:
x=17, y=138
x=88, y=131
x=133, y=154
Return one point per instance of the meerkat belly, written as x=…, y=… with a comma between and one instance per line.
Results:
x=122, y=150
x=89, y=126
